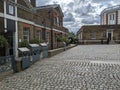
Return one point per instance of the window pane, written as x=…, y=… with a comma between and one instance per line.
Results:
x=11, y=9
x=26, y=34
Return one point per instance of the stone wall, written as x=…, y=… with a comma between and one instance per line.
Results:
x=101, y=33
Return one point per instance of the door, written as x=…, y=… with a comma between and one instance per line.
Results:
x=109, y=36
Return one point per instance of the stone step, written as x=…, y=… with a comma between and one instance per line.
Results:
x=112, y=42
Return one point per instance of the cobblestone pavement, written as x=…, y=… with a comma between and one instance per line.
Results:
x=88, y=67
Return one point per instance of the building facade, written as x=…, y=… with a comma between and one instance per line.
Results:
x=107, y=32
x=21, y=20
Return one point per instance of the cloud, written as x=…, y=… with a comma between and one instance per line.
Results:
x=69, y=17
x=80, y=12
x=42, y=2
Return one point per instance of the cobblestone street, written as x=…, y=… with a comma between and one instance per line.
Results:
x=85, y=67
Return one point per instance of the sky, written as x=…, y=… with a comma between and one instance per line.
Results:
x=80, y=12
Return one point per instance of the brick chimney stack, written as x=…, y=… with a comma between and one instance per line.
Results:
x=33, y=3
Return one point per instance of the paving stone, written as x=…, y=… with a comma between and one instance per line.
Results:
x=85, y=67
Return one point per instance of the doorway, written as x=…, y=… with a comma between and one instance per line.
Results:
x=109, y=35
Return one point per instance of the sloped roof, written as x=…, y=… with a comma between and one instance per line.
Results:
x=50, y=6
x=109, y=9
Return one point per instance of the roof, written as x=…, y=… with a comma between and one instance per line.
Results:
x=109, y=9
x=97, y=27
x=47, y=6
x=50, y=6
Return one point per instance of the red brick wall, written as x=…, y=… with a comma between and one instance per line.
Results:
x=2, y=6
x=1, y=25
x=25, y=14
x=22, y=2
x=106, y=19
x=21, y=26
x=116, y=17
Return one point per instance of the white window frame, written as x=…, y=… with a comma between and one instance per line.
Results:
x=111, y=18
x=38, y=34
x=57, y=21
x=26, y=33
x=48, y=37
x=11, y=9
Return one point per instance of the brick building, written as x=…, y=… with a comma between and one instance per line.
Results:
x=21, y=20
x=108, y=30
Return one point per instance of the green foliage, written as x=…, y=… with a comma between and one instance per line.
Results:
x=59, y=38
x=62, y=39
x=36, y=41
x=3, y=42
x=72, y=35
x=24, y=43
x=65, y=39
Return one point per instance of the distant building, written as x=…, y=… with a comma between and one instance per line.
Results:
x=107, y=32
x=110, y=16
x=21, y=20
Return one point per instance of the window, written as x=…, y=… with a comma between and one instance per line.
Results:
x=111, y=16
x=55, y=21
x=44, y=34
x=111, y=19
x=48, y=37
x=38, y=35
x=11, y=9
x=26, y=34
x=93, y=35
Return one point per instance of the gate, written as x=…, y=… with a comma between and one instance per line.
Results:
x=7, y=63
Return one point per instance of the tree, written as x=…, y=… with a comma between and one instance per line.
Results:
x=72, y=37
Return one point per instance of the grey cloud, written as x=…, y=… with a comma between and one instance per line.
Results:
x=69, y=17
x=71, y=4
x=42, y=2
x=90, y=20
x=79, y=12
x=84, y=11
x=100, y=1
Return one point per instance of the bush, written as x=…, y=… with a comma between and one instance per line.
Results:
x=24, y=43
x=59, y=38
x=65, y=39
x=36, y=41
x=3, y=42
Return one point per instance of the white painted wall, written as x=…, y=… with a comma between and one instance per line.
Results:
x=104, y=17
x=113, y=16
x=118, y=16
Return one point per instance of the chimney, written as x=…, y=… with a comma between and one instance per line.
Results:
x=33, y=3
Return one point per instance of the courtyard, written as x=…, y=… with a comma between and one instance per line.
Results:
x=84, y=67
